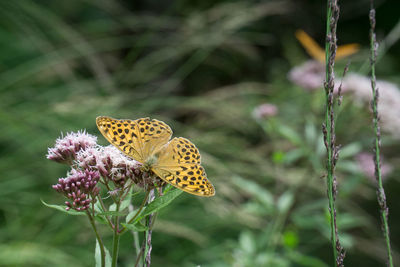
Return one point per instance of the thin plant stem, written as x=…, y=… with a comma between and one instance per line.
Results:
x=139, y=256
x=135, y=235
x=104, y=209
x=116, y=236
x=138, y=212
x=101, y=244
x=329, y=125
x=384, y=210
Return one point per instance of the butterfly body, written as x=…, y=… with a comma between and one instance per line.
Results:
x=176, y=161
x=149, y=163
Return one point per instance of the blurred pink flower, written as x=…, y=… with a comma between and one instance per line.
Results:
x=366, y=164
x=310, y=75
x=265, y=111
x=65, y=149
x=389, y=100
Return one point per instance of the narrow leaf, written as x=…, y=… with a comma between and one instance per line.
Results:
x=63, y=209
x=138, y=227
x=159, y=203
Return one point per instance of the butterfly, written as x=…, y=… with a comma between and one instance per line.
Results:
x=176, y=161
x=315, y=51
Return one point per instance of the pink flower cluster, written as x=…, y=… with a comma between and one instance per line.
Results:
x=110, y=163
x=80, y=188
x=90, y=164
x=65, y=149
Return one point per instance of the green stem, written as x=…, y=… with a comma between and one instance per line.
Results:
x=104, y=209
x=138, y=212
x=380, y=192
x=116, y=237
x=135, y=235
x=139, y=256
x=101, y=244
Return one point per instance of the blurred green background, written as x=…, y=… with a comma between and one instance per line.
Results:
x=203, y=67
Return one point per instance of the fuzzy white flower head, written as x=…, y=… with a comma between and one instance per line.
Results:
x=110, y=162
x=67, y=147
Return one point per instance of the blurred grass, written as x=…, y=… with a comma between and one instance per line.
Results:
x=201, y=67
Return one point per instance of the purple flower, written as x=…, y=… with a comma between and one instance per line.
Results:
x=66, y=148
x=80, y=188
x=264, y=111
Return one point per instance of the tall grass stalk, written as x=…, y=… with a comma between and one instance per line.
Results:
x=329, y=125
x=384, y=210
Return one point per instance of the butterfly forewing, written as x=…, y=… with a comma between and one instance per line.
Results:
x=153, y=135
x=138, y=139
x=179, y=164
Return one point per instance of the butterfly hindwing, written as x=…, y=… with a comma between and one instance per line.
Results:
x=179, y=164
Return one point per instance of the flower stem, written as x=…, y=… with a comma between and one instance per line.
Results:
x=138, y=212
x=104, y=209
x=384, y=212
x=101, y=244
x=135, y=235
x=116, y=237
x=329, y=125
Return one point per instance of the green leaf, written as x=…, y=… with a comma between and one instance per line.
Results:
x=159, y=203
x=112, y=213
x=62, y=208
x=255, y=190
x=137, y=227
x=131, y=215
x=290, y=134
x=247, y=242
x=112, y=207
x=285, y=201
x=100, y=219
x=125, y=203
x=97, y=256
x=350, y=150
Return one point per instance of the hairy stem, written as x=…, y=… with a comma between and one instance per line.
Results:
x=329, y=125
x=384, y=210
x=148, y=234
x=101, y=244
